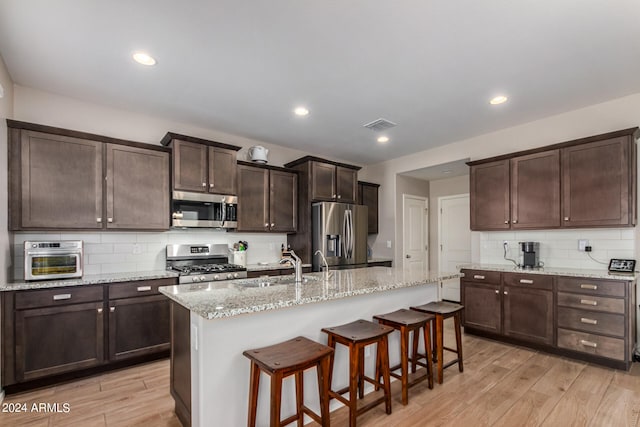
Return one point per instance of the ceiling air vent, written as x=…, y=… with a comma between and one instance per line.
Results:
x=380, y=125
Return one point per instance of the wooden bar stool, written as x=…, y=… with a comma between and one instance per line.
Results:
x=443, y=310
x=406, y=321
x=281, y=360
x=357, y=335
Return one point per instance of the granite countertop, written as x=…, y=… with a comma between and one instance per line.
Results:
x=555, y=271
x=94, y=279
x=272, y=266
x=234, y=297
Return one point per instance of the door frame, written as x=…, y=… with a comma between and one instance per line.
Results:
x=425, y=251
x=440, y=199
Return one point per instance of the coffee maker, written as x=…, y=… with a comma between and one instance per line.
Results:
x=530, y=252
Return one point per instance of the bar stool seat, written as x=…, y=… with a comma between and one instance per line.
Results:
x=406, y=321
x=444, y=310
x=356, y=336
x=281, y=360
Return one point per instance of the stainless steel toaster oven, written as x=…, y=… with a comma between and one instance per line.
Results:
x=53, y=260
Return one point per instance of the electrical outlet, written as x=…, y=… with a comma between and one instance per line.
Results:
x=582, y=244
x=389, y=244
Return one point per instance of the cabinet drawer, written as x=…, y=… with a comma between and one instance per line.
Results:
x=591, y=321
x=612, y=348
x=140, y=288
x=588, y=286
x=482, y=276
x=609, y=305
x=58, y=296
x=537, y=281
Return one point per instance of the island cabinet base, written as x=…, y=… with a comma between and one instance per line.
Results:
x=603, y=361
x=210, y=383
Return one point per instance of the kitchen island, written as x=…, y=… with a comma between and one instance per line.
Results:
x=213, y=323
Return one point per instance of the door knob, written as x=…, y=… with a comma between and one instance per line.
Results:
x=408, y=256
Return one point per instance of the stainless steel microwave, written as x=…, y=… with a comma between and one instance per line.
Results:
x=53, y=260
x=203, y=210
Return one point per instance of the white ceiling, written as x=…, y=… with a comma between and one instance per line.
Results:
x=441, y=171
x=241, y=66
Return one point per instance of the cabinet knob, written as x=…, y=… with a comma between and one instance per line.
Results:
x=497, y=291
x=211, y=185
x=112, y=309
x=273, y=224
x=566, y=218
x=99, y=311
x=506, y=293
x=267, y=225
x=334, y=196
x=109, y=219
x=515, y=221
x=506, y=221
x=98, y=219
x=339, y=196
x=204, y=184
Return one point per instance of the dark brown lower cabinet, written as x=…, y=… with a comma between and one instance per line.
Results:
x=528, y=314
x=138, y=326
x=55, y=340
x=482, y=306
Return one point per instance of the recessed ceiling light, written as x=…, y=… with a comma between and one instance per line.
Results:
x=383, y=139
x=301, y=111
x=498, y=100
x=144, y=58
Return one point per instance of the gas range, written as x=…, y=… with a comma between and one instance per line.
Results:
x=202, y=263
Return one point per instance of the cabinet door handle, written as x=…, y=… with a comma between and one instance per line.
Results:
x=61, y=297
x=506, y=221
x=109, y=219
x=588, y=302
x=527, y=281
x=588, y=343
x=112, y=309
x=266, y=225
x=588, y=321
x=144, y=288
x=204, y=184
x=99, y=311
x=478, y=276
x=506, y=293
x=334, y=196
x=98, y=219
x=211, y=185
x=339, y=196
x=587, y=286
x=497, y=291
x=273, y=224
x=566, y=218
x=515, y=221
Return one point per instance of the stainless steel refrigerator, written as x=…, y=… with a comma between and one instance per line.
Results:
x=339, y=230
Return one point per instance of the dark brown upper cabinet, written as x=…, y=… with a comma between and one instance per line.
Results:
x=489, y=187
x=368, y=196
x=599, y=183
x=202, y=166
x=66, y=180
x=333, y=183
x=267, y=199
x=535, y=190
x=590, y=182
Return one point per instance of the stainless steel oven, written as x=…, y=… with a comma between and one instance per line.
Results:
x=203, y=210
x=53, y=260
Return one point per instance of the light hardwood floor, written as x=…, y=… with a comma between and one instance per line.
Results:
x=502, y=385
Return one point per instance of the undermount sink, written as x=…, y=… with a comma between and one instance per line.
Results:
x=264, y=282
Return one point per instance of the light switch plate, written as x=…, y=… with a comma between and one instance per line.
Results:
x=389, y=244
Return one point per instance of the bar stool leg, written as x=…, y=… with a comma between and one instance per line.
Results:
x=414, y=350
x=383, y=348
x=439, y=347
x=427, y=353
x=361, y=373
x=354, y=353
x=276, y=403
x=331, y=343
x=254, y=383
x=404, y=363
x=456, y=320
x=299, y=398
x=323, y=386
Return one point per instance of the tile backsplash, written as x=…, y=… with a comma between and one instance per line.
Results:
x=559, y=248
x=143, y=251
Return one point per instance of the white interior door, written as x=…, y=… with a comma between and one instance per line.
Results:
x=415, y=237
x=454, y=240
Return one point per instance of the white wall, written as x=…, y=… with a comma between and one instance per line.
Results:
x=6, y=112
x=609, y=116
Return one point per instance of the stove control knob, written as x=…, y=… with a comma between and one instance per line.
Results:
x=203, y=278
x=235, y=275
x=229, y=276
x=195, y=279
x=216, y=277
